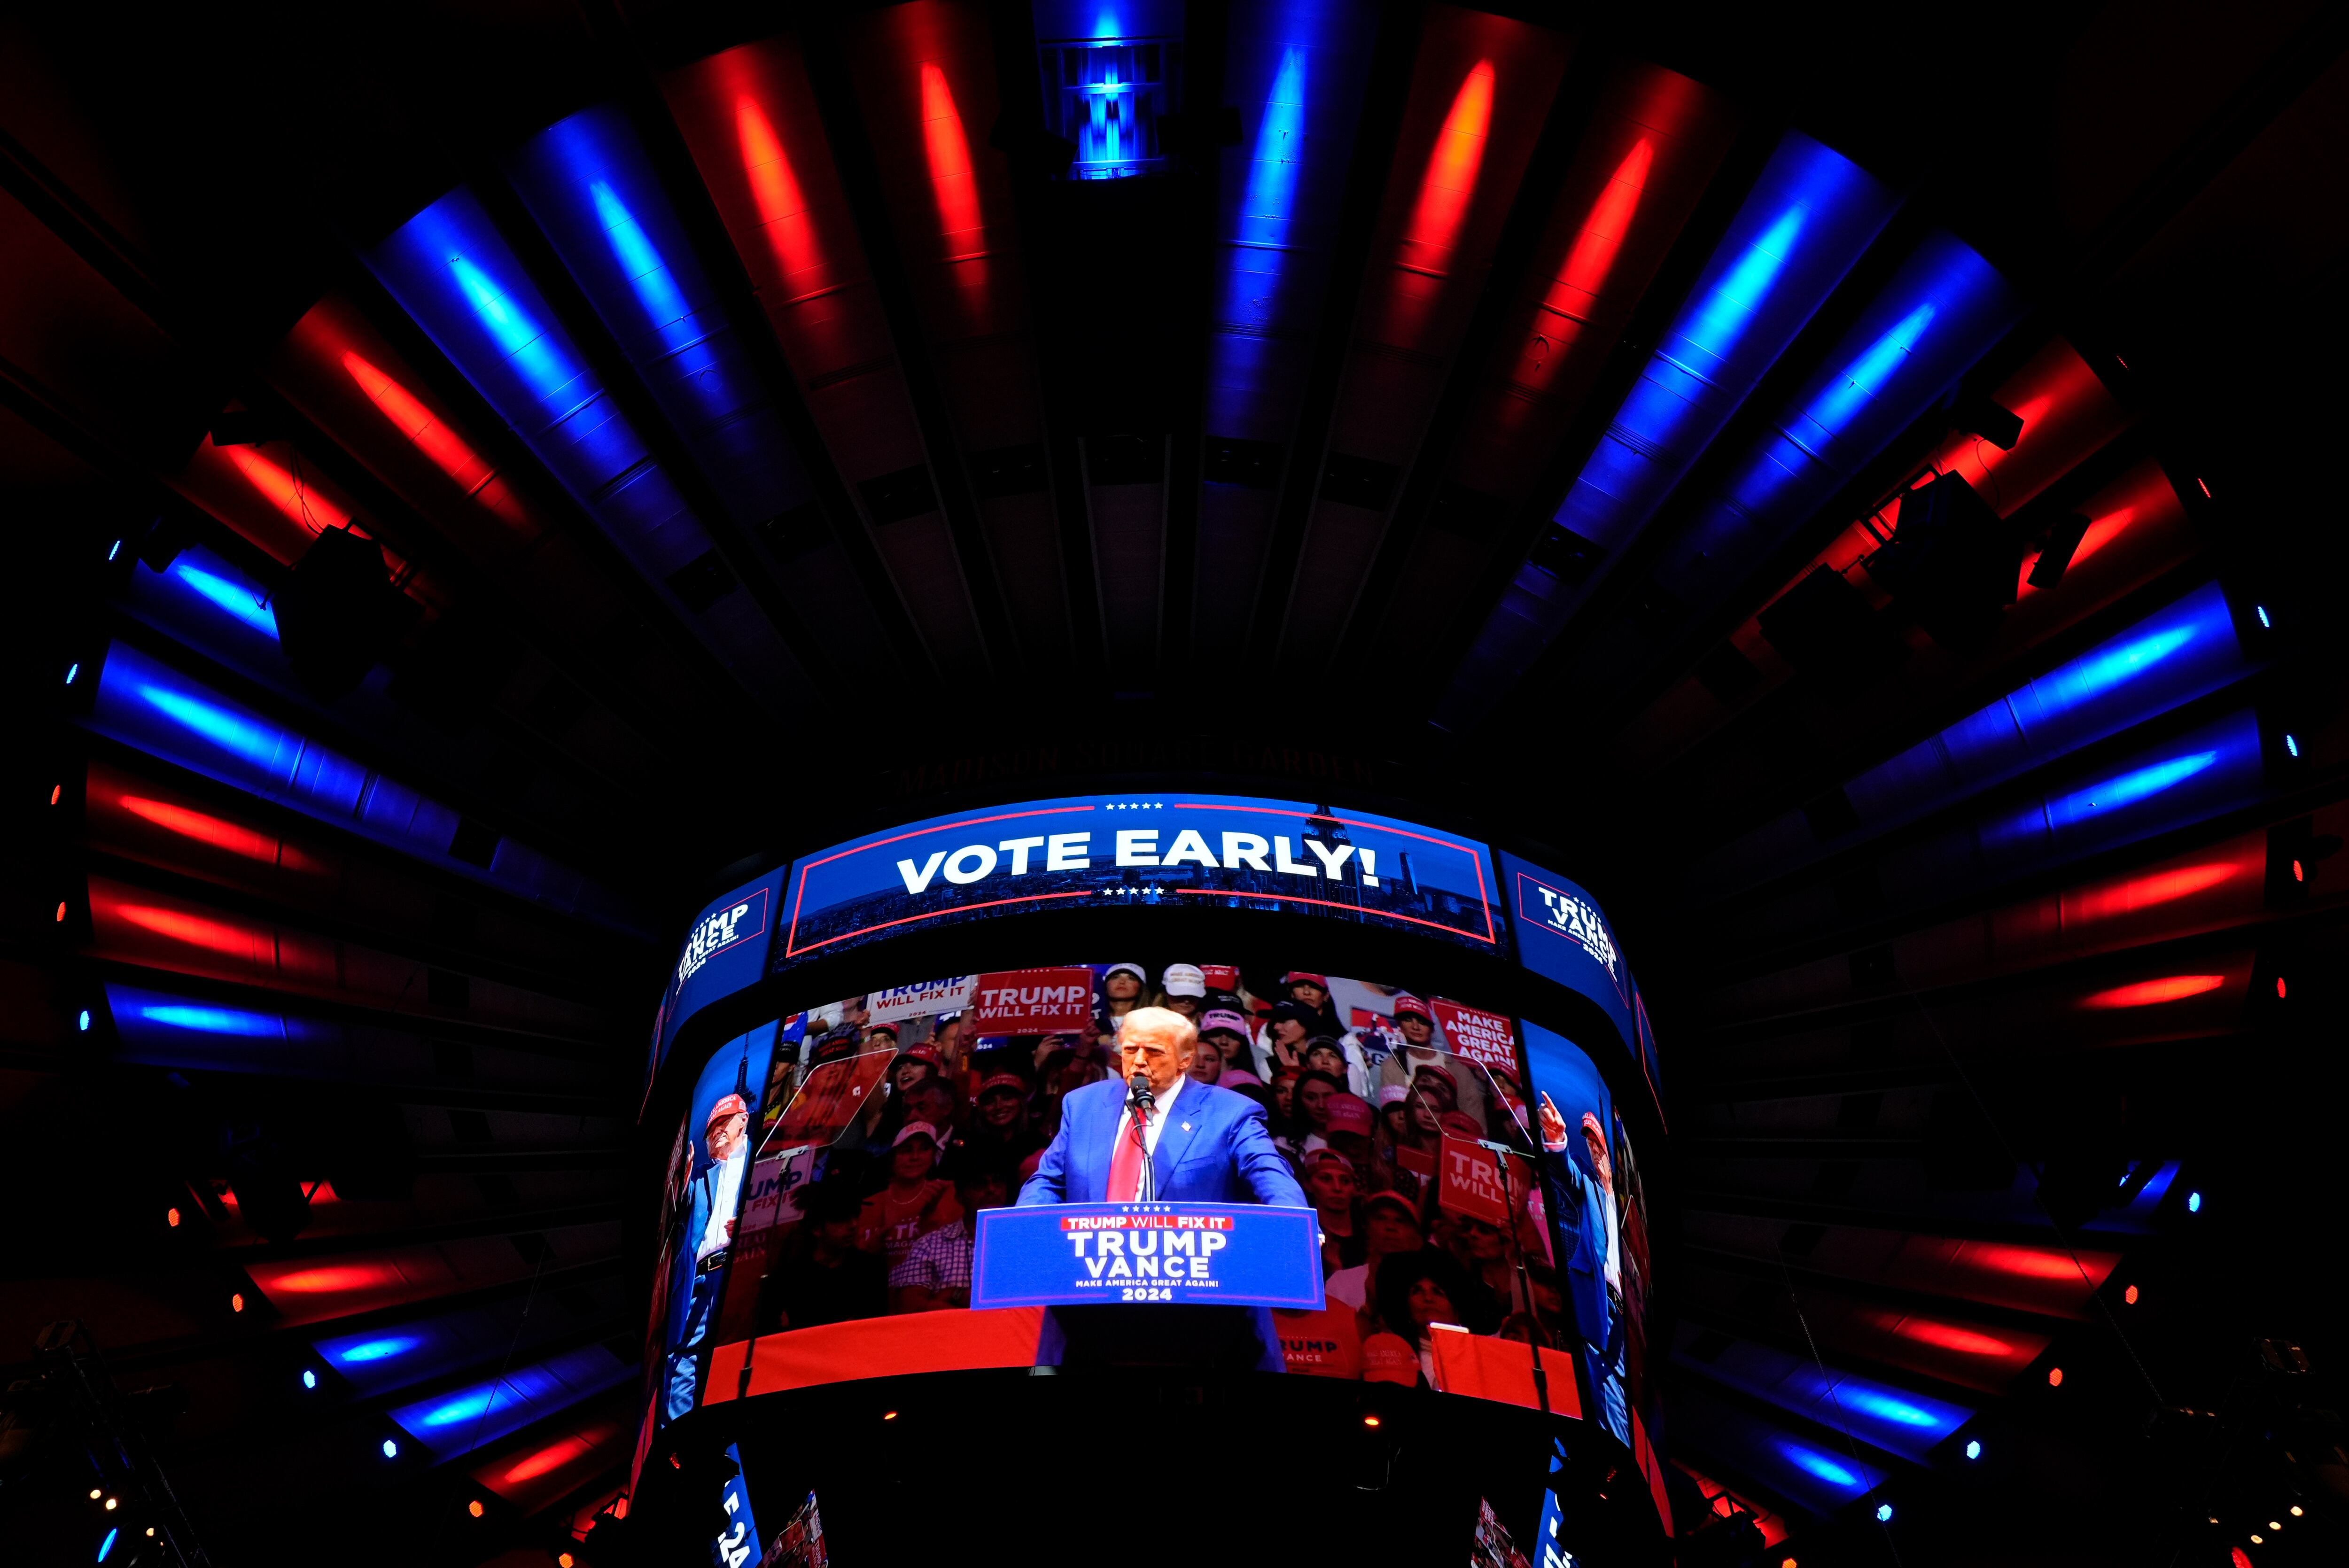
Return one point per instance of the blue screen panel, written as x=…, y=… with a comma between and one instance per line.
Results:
x=1220, y=851
x=724, y=951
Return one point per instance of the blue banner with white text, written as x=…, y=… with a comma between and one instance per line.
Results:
x=1227, y=852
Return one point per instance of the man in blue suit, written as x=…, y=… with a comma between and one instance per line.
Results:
x=1594, y=1276
x=1198, y=1144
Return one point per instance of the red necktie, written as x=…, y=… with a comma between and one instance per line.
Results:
x=1125, y=1162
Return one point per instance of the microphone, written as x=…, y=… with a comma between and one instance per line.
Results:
x=1138, y=1096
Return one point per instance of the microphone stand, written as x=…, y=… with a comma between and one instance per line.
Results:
x=1142, y=1102
x=1524, y=1281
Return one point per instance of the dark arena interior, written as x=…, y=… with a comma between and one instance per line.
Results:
x=684, y=674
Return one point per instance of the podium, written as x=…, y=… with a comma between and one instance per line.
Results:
x=1110, y=1254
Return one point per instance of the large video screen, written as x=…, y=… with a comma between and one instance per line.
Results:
x=1224, y=850
x=885, y=1123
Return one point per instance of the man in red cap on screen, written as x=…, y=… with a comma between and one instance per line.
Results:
x=709, y=1228
x=1189, y=1143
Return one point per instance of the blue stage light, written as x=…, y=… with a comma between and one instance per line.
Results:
x=72, y=670
x=525, y=344
x=648, y=275
x=256, y=742
x=366, y=1350
x=236, y=598
x=310, y=1379
x=392, y=1448
x=1885, y=1406
x=1883, y=1513
x=1829, y=1471
x=212, y=1020
x=114, y=549
x=82, y=1023
x=1974, y=1449
x=107, y=1546
x=1865, y=377
x=2292, y=744
x=2126, y=788
x=2193, y=1203
x=2262, y=609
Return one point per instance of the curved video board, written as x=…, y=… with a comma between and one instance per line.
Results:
x=827, y=1175
x=1183, y=849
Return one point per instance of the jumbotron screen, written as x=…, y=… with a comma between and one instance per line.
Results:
x=824, y=1182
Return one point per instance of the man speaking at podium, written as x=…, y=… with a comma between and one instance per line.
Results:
x=1182, y=1141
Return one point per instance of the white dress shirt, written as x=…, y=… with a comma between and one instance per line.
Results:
x=1157, y=1122
x=714, y=1236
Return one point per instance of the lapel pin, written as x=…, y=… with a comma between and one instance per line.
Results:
x=1187, y=1126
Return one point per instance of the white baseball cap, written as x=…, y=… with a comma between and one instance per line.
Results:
x=1183, y=980
x=1136, y=970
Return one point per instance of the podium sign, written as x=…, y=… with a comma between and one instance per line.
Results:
x=1204, y=1254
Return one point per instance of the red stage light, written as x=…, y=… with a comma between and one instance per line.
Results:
x=171, y=1218
x=2027, y=1262
x=2297, y=874
x=206, y=830
x=1370, y=1420
x=57, y=790
x=1950, y=1337
x=217, y=935
x=2162, y=887
x=554, y=1456
x=334, y=1280
x=2153, y=993
x=775, y=186
x=434, y=438
x=2130, y=1295
x=474, y=1508
x=236, y=1302
x=301, y=505
x=2054, y=1376
x=952, y=182
x=2279, y=987
x=1449, y=185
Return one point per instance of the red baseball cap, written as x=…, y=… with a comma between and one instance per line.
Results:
x=1299, y=977
x=915, y=1129
x=1324, y=1155
x=922, y=1053
x=1012, y=1081
x=888, y=1029
x=1407, y=1003
x=1351, y=1113
x=1460, y=1124
x=728, y=1105
x=1431, y=1070
x=1392, y=1200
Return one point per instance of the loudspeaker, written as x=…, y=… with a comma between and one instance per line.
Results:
x=340, y=613
x=1952, y=562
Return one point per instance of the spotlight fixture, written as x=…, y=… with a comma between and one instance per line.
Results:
x=310, y=1379
x=2130, y=1295
x=112, y=1503
x=392, y=1448
x=1974, y=1449
x=2054, y=1376
x=96, y=1492
x=2193, y=1203
x=1883, y=1513
x=2296, y=1511
x=236, y=1301
x=82, y=1023
x=474, y=1508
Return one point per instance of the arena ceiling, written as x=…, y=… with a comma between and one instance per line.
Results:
x=1849, y=483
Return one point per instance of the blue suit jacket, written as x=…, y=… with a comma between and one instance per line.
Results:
x=1215, y=1150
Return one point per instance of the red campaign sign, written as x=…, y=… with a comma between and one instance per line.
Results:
x=1480, y=1037
x=1034, y=1002
x=1471, y=1183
